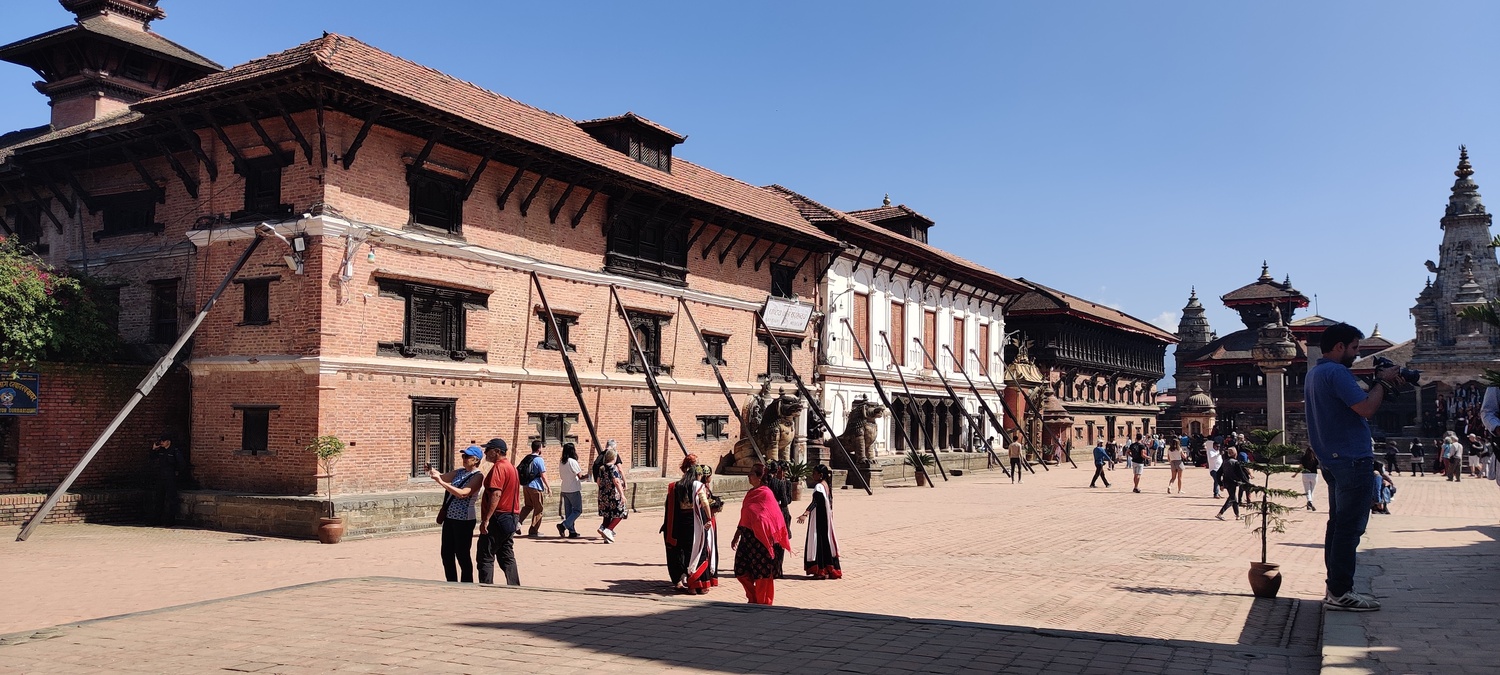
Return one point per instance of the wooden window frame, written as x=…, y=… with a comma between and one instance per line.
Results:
x=165, y=314
x=260, y=286
x=646, y=245
x=773, y=357
x=783, y=281
x=456, y=302
x=262, y=193
x=652, y=324
x=544, y=423
x=713, y=427
x=255, y=425
x=715, y=349
x=435, y=201
x=28, y=217
x=898, y=333
x=127, y=213
x=448, y=410
x=565, y=323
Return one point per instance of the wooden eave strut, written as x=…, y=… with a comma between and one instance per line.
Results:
x=573, y=381
x=886, y=400
x=734, y=406
x=911, y=403
x=649, y=370
x=1020, y=428
x=960, y=403
x=812, y=403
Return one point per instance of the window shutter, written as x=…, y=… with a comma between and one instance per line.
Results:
x=929, y=332
x=983, y=348
x=862, y=322
x=958, y=343
x=898, y=333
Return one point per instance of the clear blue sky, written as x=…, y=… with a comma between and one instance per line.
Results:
x=1122, y=151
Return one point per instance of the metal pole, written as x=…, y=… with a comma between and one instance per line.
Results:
x=911, y=404
x=562, y=348
x=959, y=402
x=1001, y=396
x=991, y=412
x=905, y=433
x=141, y=391
x=650, y=371
x=812, y=404
x=734, y=406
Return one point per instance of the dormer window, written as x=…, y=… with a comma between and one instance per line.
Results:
x=636, y=137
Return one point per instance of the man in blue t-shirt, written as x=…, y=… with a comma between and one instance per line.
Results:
x=1101, y=457
x=532, y=472
x=1337, y=410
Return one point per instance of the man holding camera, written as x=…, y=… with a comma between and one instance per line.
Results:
x=1338, y=430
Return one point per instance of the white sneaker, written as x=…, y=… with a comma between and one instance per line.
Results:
x=609, y=535
x=1350, y=602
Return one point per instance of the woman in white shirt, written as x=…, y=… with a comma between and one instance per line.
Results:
x=1175, y=458
x=572, y=491
x=1215, y=462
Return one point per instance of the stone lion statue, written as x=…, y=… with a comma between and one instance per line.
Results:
x=773, y=424
x=860, y=434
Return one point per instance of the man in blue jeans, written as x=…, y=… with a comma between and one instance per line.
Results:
x=1337, y=410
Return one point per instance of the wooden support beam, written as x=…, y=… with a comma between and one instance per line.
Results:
x=322, y=130
x=83, y=195
x=803, y=261
x=859, y=260
x=709, y=247
x=359, y=138
x=188, y=181
x=781, y=257
x=239, y=159
x=151, y=184
x=14, y=201
x=536, y=188
x=702, y=225
x=195, y=144
x=427, y=150
x=587, y=202
x=740, y=261
x=875, y=269
x=265, y=138
x=291, y=125
x=724, y=253
x=614, y=208
x=484, y=161
x=511, y=186
x=767, y=254
x=51, y=186
x=557, y=206
x=42, y=206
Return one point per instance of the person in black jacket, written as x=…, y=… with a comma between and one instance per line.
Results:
x=777, y=481
x=1418, y=457
x=1232, y=475
x=167, y=463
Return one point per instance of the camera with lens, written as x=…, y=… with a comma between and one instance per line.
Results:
x=1411, y=375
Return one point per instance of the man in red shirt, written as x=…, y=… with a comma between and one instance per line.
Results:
x=497, y=518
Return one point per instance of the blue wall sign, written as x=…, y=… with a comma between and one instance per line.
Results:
x=20, y=393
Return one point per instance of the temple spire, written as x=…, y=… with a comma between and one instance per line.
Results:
x=1465, y=199
x=1265, y=271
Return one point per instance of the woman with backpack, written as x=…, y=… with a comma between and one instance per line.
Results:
x=1232, y=476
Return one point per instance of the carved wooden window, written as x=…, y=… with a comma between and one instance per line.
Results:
x=929, y=335
x=263, y=188
x=715, y=349
x=958, y=343
x=777, y=368
x=644, y=244
x=257, y=309
x=565, y=323
x=713, y=427
x=436, y=323
x=28, y=224
x=898, y=333
x=782, y=278
x=128, y=213
x=643, y=436
x=436, y=200
x=861, y=323
x=552, y=428
x=647, y=329
x=983, y=346
x=431, y=435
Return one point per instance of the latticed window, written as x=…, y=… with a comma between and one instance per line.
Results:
x=565, y=322
x=436, y=201
x=129, y=213
x=714, y=427
x=777, y=368
x=436, y=321
x=263, y=187
x=431, y=435
x=257, y=309
x=782, y=277
x=715, y=349
x=647, y=328
x=643, y=243
x=255, y=429
x=164, y=311
x=552, y=428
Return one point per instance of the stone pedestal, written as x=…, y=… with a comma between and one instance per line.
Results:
x=1276, y=399
x=875, y=478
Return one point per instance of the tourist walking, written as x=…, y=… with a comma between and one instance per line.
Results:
x=611, y=493
x=533, y=476
x=1391, y=458
x=820, y=558
x=703, y=559
x=1138, y=460
x=681, y=525
x=1215, y=463
x=1478, y=453
x=1101, y=457
x=1337, y=411
x=760, y=532
x=1308, y=476
x=1015, y=461
x=572, y=491
x=776, y=479
x=1453, y=458
x=1418, y=457
x=1232, y=476
x=1175, y=459
x=458, y=515
x=497, y=518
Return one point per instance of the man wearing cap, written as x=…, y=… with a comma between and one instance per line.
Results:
x=497, y=521
x=168, y=463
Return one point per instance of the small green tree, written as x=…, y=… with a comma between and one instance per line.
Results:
x=1270, y=459
x=328, y=450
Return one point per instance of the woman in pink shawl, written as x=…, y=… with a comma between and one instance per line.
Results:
x=762, y=530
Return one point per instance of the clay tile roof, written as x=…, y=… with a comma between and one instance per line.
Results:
x=349, y=58
x=1042, y=300
x=1400, y=353
x=1263, y=290
x=630, y=116
x=818, y=213
x=105, y=28
x=16, y=140
x=880, y=213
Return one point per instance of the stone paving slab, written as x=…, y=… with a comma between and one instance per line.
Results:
x=383, y=625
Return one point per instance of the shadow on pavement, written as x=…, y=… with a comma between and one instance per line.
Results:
x=722, y=637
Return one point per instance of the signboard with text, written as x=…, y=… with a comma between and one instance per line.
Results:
x=20, y=393
x=786, y=316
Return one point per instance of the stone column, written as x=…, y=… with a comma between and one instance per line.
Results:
x=1276, y=398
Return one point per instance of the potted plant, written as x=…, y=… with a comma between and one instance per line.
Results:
x=1269, y=516
x=328, y=449
x=920, y=462
x=797, y=472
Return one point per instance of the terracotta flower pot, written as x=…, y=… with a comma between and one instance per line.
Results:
x=797, y=492
x=1265, y=579
x=921, y=479
x=330, y=530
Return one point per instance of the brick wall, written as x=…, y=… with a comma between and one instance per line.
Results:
x=91, y=506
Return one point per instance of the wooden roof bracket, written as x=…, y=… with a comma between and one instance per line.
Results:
x=561, y=200
x=703, y=255
x=426, y=152
x=195, y=144
x=151, y=184
x=47, y=210
x=803, y=261
x=83, y=195
x=785, y=249
x=822, y=272
x=359, y=138
x=239, y=159
x=583, y=210
x=265, y=138
x=857, y=261
x=536, y=188
x=484, y=162
x=724, y=252
x=66, y=202
x=291, y=125
x=322, y=129
x=740, y=261
x=698, y=232
x=188, y=181
x=511, y=186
